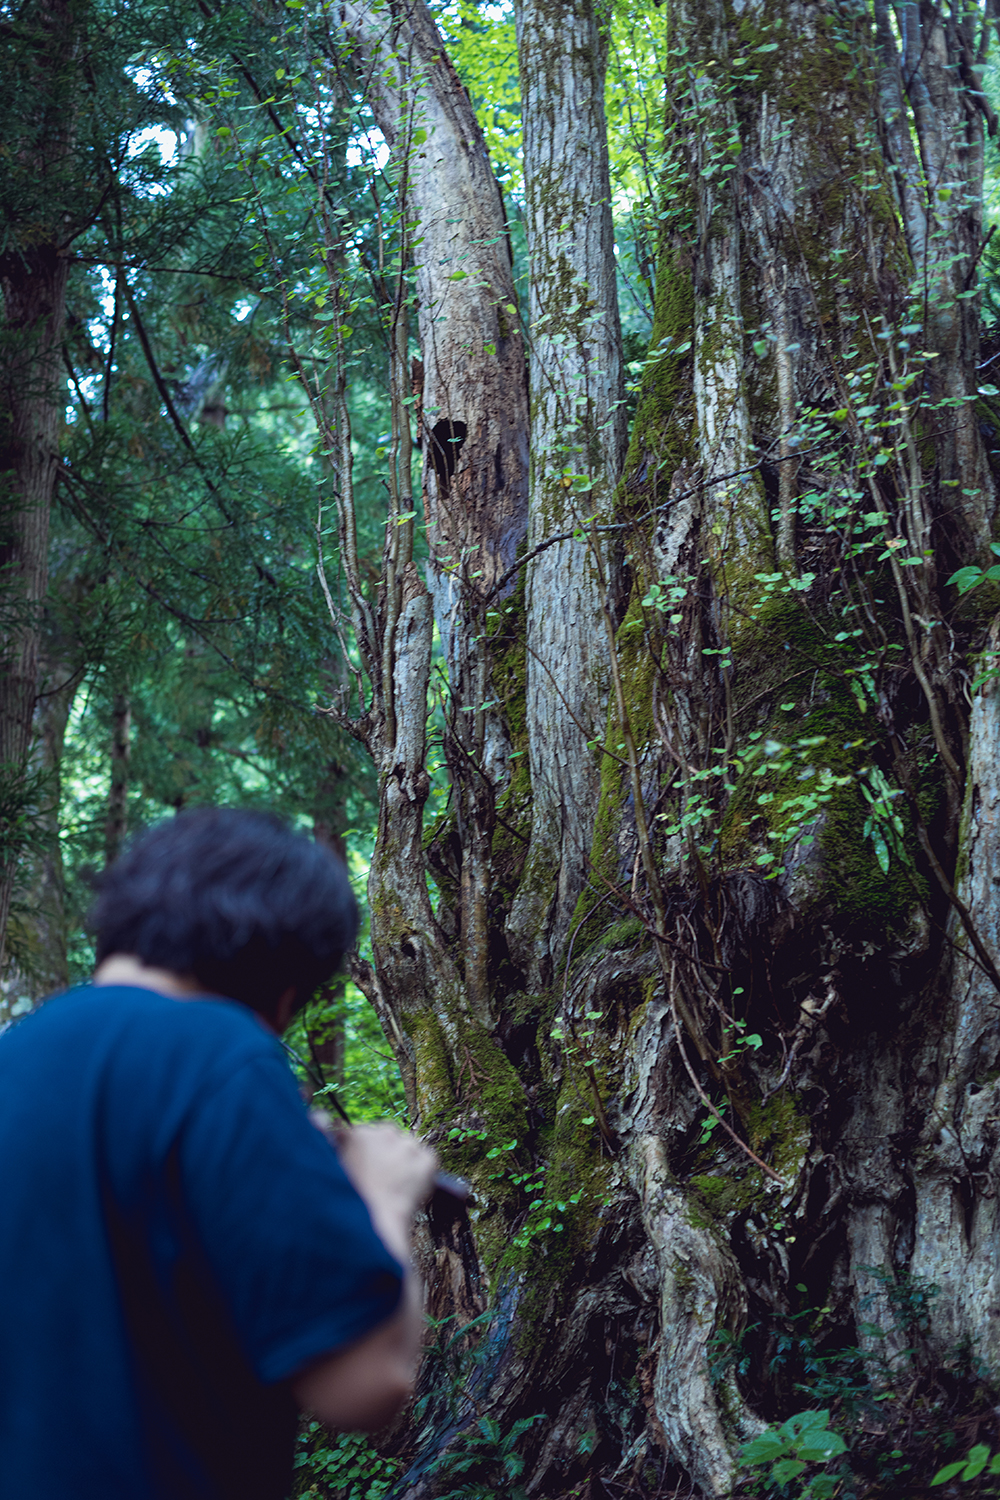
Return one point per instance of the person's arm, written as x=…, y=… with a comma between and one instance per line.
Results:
x=362, y=1387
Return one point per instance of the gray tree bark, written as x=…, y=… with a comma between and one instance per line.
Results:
x=472, y=413
x=578, y=436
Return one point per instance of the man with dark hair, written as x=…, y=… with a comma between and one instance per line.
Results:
x=185, y=1261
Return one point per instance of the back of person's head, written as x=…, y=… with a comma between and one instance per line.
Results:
x=236, y=900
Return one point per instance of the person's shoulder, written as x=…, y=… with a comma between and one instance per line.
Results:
x=190, y=1016
x=149, y=1018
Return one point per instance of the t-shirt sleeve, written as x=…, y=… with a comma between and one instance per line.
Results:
x=288, y=1238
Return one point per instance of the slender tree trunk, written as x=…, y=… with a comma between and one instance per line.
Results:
x=34, y=291
x=37, y=960
x=116, y=822
x=33, y=272
x=327, y=1038
x=473, y=415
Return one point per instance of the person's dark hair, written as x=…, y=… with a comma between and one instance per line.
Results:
x=235, y=899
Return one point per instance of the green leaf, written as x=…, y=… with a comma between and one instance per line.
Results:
x=977, y=1461
x=881, y=851
x=761, y=1450
x=760, y=348
x=804, y=1421
x=786, y=1469
x=966, y=578
x=948, y=1472
x=820, y=1446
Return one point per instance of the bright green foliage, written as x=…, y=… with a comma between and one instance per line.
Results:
x=368, y=1086
x=978, y=1460
x=789, y=1449
x=184, y=558
x=482, y=45
x=970, y=577
x=344, y=1466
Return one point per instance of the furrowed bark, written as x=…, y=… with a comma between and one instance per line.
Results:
x=34, y=291
x=957, y=1227
x=578, y=441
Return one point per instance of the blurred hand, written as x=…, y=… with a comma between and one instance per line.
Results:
x=391, y=1169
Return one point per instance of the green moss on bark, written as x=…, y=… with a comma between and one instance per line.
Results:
x=662, y=430
x=825, y=730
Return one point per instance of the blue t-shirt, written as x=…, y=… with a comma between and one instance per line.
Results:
x=176, y=1240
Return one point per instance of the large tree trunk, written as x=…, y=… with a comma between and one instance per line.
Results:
x=770, y=846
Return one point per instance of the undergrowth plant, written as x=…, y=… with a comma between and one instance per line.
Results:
x=872, y=1422
x=978, y=1460
x=340, y=1466
x=799, y=1444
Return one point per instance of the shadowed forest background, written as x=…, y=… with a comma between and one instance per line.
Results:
x=550, y=453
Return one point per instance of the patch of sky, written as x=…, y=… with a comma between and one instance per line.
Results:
x=451, y=11
x=369, y=150
x=166, y=142
x=88, y=386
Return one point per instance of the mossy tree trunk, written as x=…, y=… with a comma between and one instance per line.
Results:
x=734, y=1051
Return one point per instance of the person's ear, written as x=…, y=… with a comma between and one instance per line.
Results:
x=285, y=1009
